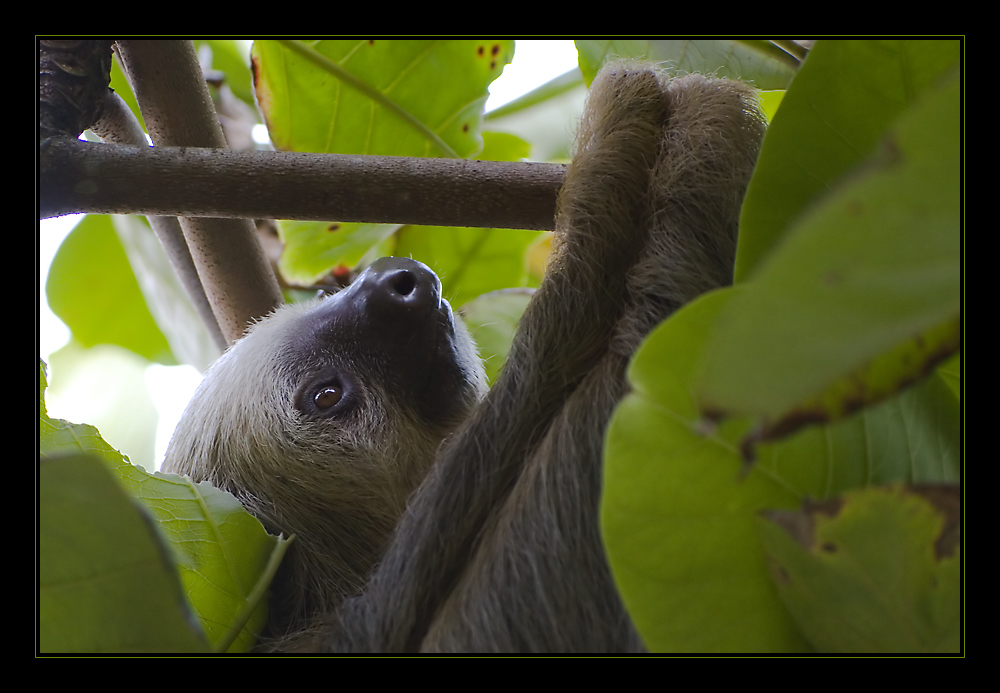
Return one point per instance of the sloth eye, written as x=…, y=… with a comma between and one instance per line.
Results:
x=328, y=397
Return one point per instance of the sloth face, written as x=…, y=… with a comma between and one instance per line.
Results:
x=391, y=335
x=353, y=389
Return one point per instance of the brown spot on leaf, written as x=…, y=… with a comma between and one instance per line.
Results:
x=891, y=151
x=801, y=524
x=947, y=500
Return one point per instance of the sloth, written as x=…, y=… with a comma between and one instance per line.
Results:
x=431, y=517
x=325, y=416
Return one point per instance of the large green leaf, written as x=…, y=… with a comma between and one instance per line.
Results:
x=843, y=100
x=380, y=106
x=876, y=571
x=307, y=108
x=226, y=558
x=681, y=501
x=105, y=584
x=863, y=295
x=677, y=516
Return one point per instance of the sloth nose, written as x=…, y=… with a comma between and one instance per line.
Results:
x=399, y=286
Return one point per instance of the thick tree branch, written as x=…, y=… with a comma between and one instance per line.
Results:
x=215, y=191
x=86, y=177
x=73, y=77
x=169, y=85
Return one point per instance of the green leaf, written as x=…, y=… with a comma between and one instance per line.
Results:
x=915, y=437
x=865, y=290
x=309, y=108
x=105, y=583
x=877, y=571
x=226, y=558
x=503, y=146
x=678, y=516
x=492, y=319
x=546, y=118
x=757, y=62
x=678, y=519
x=108, y=386
x=91, y=287
x=951, y=372
x=166, y=299
x=313, y=248
x=844, y=98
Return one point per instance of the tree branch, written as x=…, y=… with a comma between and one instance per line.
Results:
x=87, y=177
x=215, y=191
x=118, y=124
x=169, y=85
x=73, y=77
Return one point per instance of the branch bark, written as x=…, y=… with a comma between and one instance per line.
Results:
x=215, y=191
x=73, y=77
x=169, y=85
x=108, y=179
